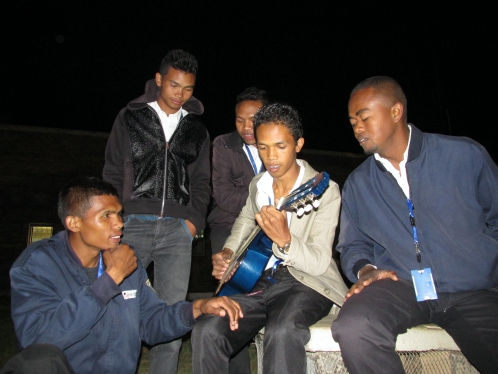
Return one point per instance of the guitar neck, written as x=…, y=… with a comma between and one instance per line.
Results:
x=245, y=244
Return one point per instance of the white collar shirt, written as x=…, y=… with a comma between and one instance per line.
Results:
x=399, y=175
x=266, y=197
x=168, y=122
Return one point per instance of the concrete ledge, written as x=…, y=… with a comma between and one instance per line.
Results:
x=420, y=338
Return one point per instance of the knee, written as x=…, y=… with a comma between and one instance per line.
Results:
x=209, y=330
x=351, y=324
x=39, y=358
x=287, y=331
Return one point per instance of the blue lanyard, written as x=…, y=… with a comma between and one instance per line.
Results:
x=273, y=270
x=253, y=163
x=409, y=203
x=100, y=270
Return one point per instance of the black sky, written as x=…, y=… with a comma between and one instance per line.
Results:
x=75, y=64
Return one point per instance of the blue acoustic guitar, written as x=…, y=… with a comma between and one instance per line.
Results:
x=250, y=260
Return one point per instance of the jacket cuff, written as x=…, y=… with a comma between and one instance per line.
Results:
x=360, y=264
x=187, y=314
x=104, y=289
x=198, y=222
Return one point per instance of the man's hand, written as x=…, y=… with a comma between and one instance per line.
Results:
x=274, y=224
x=120, y=262
x=221, y=260
x=191, y=228
x=368, y=275
x=219, y=306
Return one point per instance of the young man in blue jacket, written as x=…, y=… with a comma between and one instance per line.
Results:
x=84, y=291
x=419, y=237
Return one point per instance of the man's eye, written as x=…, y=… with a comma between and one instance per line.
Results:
x=364, y=119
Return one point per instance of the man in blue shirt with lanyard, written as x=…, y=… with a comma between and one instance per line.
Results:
x=419, y=237
x=84, y=291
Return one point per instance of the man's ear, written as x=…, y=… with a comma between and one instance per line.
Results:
x=73, y=223
x=159, y=79
x=397, y=111
x=299, y=145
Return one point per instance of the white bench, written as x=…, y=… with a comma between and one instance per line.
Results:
x=423, y=349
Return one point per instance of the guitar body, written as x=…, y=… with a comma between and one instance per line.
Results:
x=251, y=258
x=251, y=268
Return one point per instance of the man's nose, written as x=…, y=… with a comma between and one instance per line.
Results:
x=272, y=153
x=358, y=128
x=118, y=224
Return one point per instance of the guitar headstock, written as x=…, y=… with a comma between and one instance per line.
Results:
x=303, y=199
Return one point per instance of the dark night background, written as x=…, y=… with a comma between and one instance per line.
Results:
x=75, y=64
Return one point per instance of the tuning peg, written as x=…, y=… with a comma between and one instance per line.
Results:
x=308, y=208
x=300, y=212
x=316, y=204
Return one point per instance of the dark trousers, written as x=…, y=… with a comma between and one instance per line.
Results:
x=286, y=309
x=240, y=362
x=38, y=359
x=369, y=322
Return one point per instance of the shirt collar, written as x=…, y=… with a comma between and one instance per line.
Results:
x=265, y=186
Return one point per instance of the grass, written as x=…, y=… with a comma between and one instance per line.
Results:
x=9, y=347
x=185, y=359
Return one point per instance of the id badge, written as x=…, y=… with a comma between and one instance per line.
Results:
x=423, y=283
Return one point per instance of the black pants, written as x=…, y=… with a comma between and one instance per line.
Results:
x=239, y=363
x=369, y=322
x=286, y=309
x=38, y=359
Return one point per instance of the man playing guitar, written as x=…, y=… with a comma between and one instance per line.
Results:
x=301, y=281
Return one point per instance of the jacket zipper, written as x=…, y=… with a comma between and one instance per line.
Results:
x=165, y=181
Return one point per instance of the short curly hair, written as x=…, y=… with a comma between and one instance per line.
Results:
x=179, y=60
x=280, y=114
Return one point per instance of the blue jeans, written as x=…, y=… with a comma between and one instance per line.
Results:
x=168, y=242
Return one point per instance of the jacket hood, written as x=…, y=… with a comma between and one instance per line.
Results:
x=193, y=105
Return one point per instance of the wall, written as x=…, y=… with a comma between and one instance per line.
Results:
x=36, y=162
